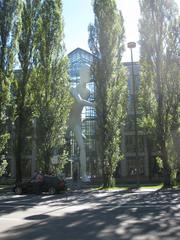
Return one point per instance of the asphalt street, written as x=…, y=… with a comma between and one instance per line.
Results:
x=91, y=215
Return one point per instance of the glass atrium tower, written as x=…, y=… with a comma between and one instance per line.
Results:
x=77, y=59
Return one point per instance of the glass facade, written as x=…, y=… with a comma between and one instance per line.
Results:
x=77, y=59
x=129, y=130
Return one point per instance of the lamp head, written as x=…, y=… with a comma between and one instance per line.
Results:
x=131, y=45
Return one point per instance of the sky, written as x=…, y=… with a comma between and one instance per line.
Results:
x=78, y=14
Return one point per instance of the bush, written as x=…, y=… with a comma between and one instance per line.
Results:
x=3, y=166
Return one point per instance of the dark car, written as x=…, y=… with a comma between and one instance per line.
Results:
x=50, y=184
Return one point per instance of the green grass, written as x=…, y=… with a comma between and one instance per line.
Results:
x=5, y=188
x=112, y=188
x=177, y=186
x=131, y=186
x=156, y=186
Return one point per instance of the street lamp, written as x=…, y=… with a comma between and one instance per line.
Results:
x=132, y=45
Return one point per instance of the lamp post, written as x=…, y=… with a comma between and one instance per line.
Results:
x=132, y=45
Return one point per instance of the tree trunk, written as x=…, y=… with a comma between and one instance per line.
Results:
x=166, y=167
x=149, y=151
x=108, y=181
x=18, y=150
x=47, y=162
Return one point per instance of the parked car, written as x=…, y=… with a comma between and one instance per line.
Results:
x=50, y=184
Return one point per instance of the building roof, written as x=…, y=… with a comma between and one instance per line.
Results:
x=79, y=49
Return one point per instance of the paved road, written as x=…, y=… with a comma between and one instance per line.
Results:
x=83, y=215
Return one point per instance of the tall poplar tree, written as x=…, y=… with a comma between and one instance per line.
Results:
x=52, y=85
x=22, y=94
x=9, y=28
x=160, y=85
x=106, y=39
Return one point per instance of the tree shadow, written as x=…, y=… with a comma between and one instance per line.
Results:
x=10, y=203
x=37, y=217
x=117, y=215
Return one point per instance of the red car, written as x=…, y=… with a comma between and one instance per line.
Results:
x=50, y=184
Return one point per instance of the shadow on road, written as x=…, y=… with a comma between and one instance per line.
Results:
x=117, y=216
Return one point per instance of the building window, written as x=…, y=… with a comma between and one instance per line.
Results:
x=130, y=144
x=132, y=166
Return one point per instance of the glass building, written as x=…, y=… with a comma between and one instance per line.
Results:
x=127, y=167
x=77, y=59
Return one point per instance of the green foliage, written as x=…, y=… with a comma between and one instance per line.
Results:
x=159, y=162
x=9, y=29
x=50, y=88
x=160, y=86
x=174, y=177
x=147, y=123
x=31, y=37
x=62, y=160
x=21, y=90
x=3, y=166
x=106, y=43
x=3, y=140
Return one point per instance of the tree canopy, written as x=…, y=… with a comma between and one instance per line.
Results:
x=106, y=38
x=159, y=39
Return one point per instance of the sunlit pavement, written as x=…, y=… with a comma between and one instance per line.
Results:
x=85, y=215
